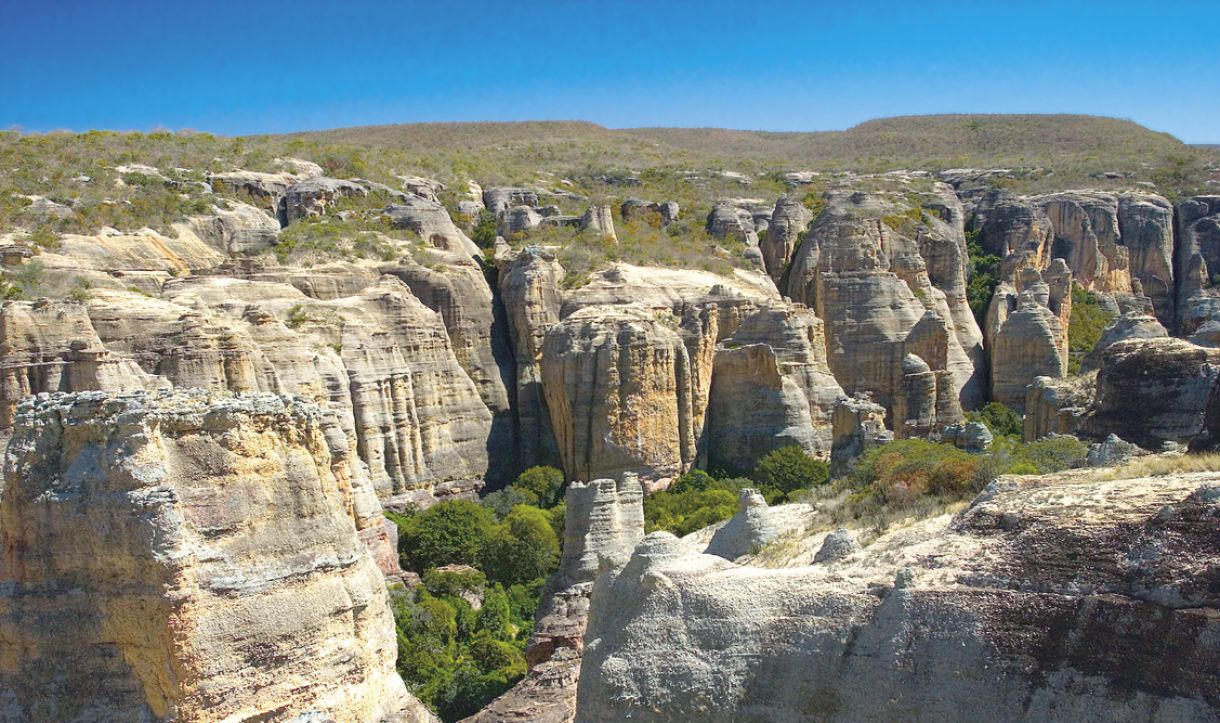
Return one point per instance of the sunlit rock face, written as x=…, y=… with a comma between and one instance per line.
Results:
x=1049, y=598
x=189, y=557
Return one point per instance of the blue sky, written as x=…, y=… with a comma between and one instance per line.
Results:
x=272, y=66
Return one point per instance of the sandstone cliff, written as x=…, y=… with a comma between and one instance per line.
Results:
x=212, y=552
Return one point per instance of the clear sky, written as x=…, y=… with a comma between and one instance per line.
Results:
x=274, y=65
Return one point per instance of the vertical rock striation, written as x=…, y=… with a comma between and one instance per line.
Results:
x=188, y=557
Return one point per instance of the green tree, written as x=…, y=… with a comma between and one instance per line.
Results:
x=523, y=548
x=449, y=532
x=788, y=469
x=695, y=480
x=1001, y=420
x=484, y=234
x=546, y=483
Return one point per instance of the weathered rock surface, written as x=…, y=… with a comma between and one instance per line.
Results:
x=771, y=388
x=1057, y=406
x=634, y=209
x=618, y=383
x=213, y=560
x=238, y=230
x=888, y=285
x=530, y=290
x=48, y=346
x=955, y=619
x=746, y=532
x=788, y=221
x=312, y=196
x=1197, y=262
x=599, y=220
x=432, y=222
x=1127, y=326
x=857, y=425
x=1152, y=391
x=1026, y=346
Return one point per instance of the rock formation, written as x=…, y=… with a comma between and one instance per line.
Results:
x=788, y=223
x=952, y=619
x=771, y=388
x=1026, y=346
x=888, y=279
x=1152, y=391
x=1197, y=262
x=746, y=532
x=215, y=563
x=857, y=425
x=600, y=221
x=618, y=383
x=1057, y=406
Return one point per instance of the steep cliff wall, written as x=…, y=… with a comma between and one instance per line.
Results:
x=189, y=557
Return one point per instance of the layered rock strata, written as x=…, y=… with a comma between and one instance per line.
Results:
x=215, y=566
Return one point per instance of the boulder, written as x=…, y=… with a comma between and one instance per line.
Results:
x=1127, y=326
x=838, y=545
x=518, y=220
x=499, y=199
x=1057, y=406
x=1152, y=391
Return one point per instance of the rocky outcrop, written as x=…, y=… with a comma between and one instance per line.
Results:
x=1004, y=224
x=857, y=425
x=618, y=383
x=51, y=346
x=1087, y=236
x=888, y=279
x=518, y=220
x=747, y=531
x=727, y=221
x=1026, y=346
x=955, y=619
x=313, y=196
x=771, y=388
x=216, y=565
x=788, y=222
x=1146, y=224
x=1197, y=262
x=1152, y=391
x=1057, y=406
x=600, y=221
x=237, y=230
x=530, y=290
x=499, y=199
x=432, y=222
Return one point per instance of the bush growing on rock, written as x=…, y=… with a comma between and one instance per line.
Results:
x=1088, y=320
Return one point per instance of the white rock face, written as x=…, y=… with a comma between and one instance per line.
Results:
x=1056, y=598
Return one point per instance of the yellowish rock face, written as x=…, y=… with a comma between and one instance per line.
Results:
x=187, y=557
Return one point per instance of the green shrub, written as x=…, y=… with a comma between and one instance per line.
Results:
x=1085, y=326
x=684, y=512
x=484, y=234
x=1001, y=420
x=454, y=582
x=789, y=469
x=983, y=276
x=503, y=501
x=546, y=483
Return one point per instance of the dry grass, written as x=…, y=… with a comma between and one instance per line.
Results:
x=1161, y=465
